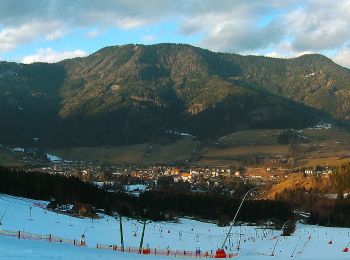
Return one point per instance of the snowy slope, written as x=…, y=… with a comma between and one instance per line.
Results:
x=308, y=242
x=11, y=248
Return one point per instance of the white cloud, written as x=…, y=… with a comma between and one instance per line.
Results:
x=284, y=50
x=148, y=38
x=343, y=57
x=49, y=55
x=285, y=28
x=56, y=34
x=11, y=37
x=94, y=33
x=236, y=27
x=130, y=23
x=319, y=25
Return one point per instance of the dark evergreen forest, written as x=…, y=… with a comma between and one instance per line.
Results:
x=155, y=205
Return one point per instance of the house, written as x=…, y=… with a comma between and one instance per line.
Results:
x=82, y=209
x=309, y=171
x=53, y=205
x=186, y=176
x=176, y=178
x=175, y=171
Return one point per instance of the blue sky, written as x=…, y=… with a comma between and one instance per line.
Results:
x=52, y=30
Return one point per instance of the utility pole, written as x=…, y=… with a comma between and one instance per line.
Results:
x=30, y=213
x=239, y=242
x=2, y=216
x=142, y=236
x=240, y=238
x=273, y=251
x=121, y=232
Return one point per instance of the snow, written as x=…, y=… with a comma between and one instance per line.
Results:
x=135, y=189
x=18, y=149
x=322, y=126
x=308, y=242
x=53, y=158
x=100, y=184
x=174, y=132
x=11, y=248
x=309, y=75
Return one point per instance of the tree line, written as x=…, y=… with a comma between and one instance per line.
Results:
x=154, y=204
x=324, y=211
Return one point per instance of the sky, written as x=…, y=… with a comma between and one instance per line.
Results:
x=52, y=30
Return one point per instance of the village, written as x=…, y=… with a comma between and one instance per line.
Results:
x=134, y=179
x=189, y=177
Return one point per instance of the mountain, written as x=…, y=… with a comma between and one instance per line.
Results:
x=133, y=93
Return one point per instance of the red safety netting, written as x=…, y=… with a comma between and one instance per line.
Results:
x=128, y=249
x=163, y=252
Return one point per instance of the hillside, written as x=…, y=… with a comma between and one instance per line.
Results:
x=255, y=242
x=133, y=93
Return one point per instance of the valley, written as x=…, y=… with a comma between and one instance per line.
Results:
x=159, y=129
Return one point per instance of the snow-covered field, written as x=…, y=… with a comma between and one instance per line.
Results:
x=308, y=242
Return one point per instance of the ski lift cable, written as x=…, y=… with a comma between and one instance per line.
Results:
x=15, y=202
x=2, y=216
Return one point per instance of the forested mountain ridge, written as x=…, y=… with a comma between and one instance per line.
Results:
x=131, y=93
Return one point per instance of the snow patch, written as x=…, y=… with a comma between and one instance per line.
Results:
x=18, y=150
x=53, y=158
x=309, y=75
x=322, y=126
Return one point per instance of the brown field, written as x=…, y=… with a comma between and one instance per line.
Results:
x=110, y=154
x=325, y=161
x=324, y=147
x=247, y=150
x=332, y=134
x=145, y=153
x=258, y=172
x=216, y=156
x=217, y=162
x=178, y=151
x=8, y=159
x=251, y=137
x=321, y=147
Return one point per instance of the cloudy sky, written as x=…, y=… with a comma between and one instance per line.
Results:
x=51, y=30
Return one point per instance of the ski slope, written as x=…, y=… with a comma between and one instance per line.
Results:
x=308, y=242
